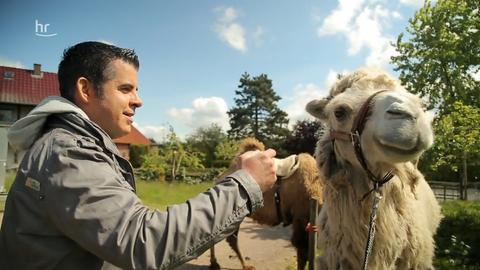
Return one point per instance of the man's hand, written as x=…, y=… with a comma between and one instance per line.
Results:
x=260, y=165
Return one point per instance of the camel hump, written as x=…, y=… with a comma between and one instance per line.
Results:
x=250, y=144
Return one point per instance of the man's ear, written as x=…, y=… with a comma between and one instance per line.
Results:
x=84, y=91
x=316, y=108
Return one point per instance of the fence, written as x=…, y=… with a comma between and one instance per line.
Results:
x=445, y=191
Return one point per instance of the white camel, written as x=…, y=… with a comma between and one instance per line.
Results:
x=370, y=111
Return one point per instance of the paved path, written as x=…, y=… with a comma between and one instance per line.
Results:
x=266, y=248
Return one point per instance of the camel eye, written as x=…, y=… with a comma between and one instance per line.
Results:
x=340, y=113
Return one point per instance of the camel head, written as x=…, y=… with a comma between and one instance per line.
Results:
x=395, y=129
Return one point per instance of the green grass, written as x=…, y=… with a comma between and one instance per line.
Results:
x=451, y=208
x=161, y=194
x=9, y=177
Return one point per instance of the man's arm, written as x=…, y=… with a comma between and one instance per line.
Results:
x=87, y=201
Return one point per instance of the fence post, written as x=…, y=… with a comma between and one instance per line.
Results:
x=312, y=235
x=465, y=178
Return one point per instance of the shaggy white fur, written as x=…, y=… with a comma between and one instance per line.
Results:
x=396, y=133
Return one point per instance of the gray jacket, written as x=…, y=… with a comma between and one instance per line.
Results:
x=73, y=203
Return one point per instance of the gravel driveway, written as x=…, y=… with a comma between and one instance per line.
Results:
x=266, y=248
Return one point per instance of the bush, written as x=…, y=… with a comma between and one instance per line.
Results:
x=211, y=174
x=153, y=167
x=458, y=237
x=151, y=174
x=136, y=153
x=203, y=176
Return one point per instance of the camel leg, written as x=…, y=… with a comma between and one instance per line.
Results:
x=233, y=242
x=213, y=260
x=300, y=242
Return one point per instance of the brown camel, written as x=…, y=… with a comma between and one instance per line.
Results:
x=287, y=203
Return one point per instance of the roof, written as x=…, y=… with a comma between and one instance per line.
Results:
x=134, y=137
x=25, y=88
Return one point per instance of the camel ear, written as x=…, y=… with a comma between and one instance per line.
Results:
x=316, y=108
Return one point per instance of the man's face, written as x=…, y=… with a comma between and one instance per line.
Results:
x=114, y=111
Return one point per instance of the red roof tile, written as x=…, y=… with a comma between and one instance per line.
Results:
x=134, y=137
x=23, y=88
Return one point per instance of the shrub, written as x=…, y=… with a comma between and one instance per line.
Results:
x=458, y=237
x=153, y=167
x=136, y=153
x=202, y=176
x=211, y=174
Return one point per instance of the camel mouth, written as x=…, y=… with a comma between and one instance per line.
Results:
x=399, y=151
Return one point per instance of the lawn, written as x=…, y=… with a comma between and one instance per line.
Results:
x=154, y=194
x=161, y=194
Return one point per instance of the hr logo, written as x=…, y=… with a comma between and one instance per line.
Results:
x=41, y=29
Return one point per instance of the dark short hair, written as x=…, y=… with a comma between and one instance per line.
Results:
x=90, y=60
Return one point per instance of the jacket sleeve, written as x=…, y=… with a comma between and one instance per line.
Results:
x=88, y=201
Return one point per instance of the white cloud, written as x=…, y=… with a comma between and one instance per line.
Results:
x=363, y=26
x=11, y=63
x=203, y=113
x=413, y=3
x=158, y=133
x=229, y=30
x=340, y=18
x=332, y=77
x=258, y=35
x=229, y=15
x=234, y=35
x=302, y=94
x=397, y=15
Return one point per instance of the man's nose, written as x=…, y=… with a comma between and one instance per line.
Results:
x=136, y=100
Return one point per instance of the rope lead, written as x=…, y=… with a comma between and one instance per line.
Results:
x=371, y=229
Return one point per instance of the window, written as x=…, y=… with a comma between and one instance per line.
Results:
x=8, y=75
x=8, y=113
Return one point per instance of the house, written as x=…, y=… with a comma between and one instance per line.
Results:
x=22, y=89
x=134, y=137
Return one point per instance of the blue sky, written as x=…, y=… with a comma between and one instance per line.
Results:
x=193, y=53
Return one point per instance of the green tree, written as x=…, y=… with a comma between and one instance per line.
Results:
x=179, y=155
x=256, y=113
x=441, y=54
x=225, y=152
x=304, y=137
x=456, y=143
x=205, y=140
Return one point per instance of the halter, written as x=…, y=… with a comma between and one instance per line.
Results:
x=354, y=138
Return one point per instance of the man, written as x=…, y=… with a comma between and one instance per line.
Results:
x=73, y=202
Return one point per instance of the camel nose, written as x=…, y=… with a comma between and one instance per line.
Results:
x=399, y=111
